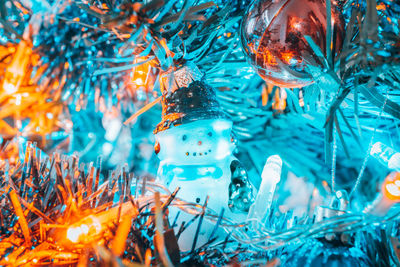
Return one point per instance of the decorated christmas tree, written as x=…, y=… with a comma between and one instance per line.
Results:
x=199, y=133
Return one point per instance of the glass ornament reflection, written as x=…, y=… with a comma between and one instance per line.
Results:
x=272, y=36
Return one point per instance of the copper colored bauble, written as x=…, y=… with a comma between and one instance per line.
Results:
x=273, y=36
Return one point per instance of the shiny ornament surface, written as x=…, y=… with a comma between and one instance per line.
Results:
x=273, y=37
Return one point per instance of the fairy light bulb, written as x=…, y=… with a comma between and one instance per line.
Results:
x=141, y=73
x=16, y=70
x=271, y=176
x=391, y=187
x=77, y=233
x=74, y=233
x=139, y=82
x=386, y=155
x=390, y=195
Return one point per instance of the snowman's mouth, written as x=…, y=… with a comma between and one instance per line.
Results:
x=198, y=154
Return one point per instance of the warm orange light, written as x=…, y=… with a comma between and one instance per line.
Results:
x=139, y=82
x=26, y=105
x=279, y=100
x=264, y=96
x=141, y=72
x=287, y=56
x=76, y=233
x=9, y=87
x=391, y=187
x=297, y=25
x=17, y=69
x=269, y=59
x=381, y=6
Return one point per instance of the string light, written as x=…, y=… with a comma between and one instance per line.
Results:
x=141, y=73
x=390, y=195
x=386, y=155
x=391, y=187
x=271, y=176
x=77, y=233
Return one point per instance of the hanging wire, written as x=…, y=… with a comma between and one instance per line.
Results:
x=364, y=165
x=333, y=169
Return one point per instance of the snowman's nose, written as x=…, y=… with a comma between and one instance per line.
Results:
x=199, y=143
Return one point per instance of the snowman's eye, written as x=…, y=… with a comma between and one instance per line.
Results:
x=209, y=134
x=184, y=137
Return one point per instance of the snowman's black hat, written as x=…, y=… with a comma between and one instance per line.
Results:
x=187, y=98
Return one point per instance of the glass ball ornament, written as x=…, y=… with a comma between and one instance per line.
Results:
x=273, y=37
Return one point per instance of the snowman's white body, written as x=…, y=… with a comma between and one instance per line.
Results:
x=196, y=157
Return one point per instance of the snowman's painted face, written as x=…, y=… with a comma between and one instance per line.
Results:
x=199, y=142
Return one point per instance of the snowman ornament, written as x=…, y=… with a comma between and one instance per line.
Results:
x=195, y=144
